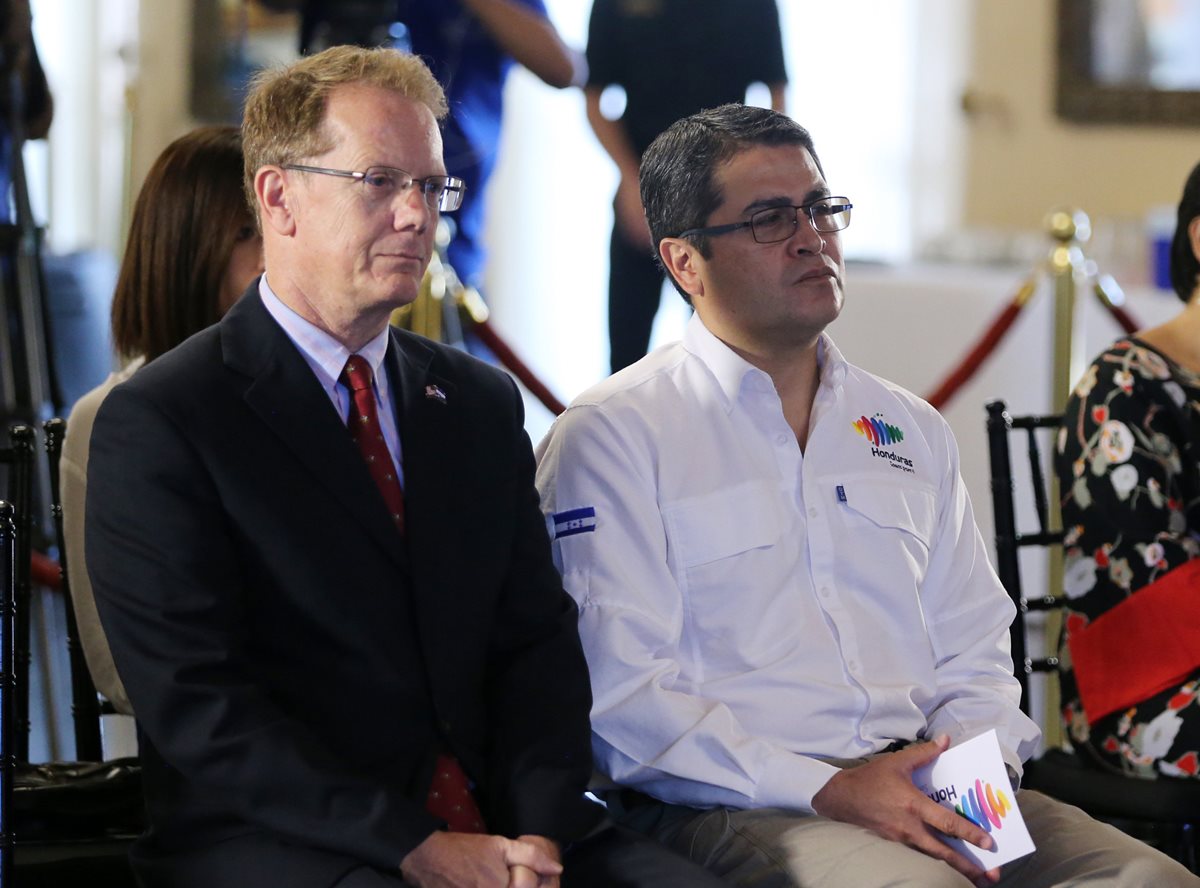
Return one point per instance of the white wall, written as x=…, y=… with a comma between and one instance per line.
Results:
x=78, y=178
x=881, y=102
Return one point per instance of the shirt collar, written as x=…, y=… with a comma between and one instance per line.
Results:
x=734, y=373
x=325, y=354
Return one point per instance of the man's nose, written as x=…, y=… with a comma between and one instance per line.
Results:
x=411, y=209
x=806, y=237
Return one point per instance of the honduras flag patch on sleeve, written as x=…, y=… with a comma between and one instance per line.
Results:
x=574, y=521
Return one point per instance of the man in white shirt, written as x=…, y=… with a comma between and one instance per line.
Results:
x=784, y=600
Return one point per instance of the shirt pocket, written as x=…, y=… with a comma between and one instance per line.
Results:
x=884, y=531
x=889, y=505
x=715, y=526
x=724, y=548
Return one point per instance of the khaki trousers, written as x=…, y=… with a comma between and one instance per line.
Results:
x=777, y=848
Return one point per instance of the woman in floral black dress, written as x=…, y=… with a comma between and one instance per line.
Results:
x=1128, y=461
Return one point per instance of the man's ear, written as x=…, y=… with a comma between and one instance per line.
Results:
x=682, y=260
x=271, y=189
x=1194, y=236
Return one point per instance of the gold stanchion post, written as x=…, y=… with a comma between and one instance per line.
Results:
x=1069, y=228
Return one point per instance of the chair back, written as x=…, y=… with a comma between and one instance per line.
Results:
x=60, y=822
x=18, y=457
x=8, y=560
x=85, y=703
x=1010, y=540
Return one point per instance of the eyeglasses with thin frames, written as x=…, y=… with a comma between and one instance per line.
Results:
x=381, y=184
x=775, y=224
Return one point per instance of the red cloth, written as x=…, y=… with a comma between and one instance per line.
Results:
x=1144, y=645
x=450, y=797
x=368, y=435
x=450, y=793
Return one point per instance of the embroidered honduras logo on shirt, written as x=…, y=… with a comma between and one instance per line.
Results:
x=882, y=434
x=574, y=521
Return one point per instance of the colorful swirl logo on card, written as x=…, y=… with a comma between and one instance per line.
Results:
x=878, y=432
x=984, y=806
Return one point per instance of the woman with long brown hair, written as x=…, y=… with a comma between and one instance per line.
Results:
x=193, y=249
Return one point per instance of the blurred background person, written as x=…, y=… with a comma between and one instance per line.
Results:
x=26, y=110
x=193, y=249
x=470, y=45
x=672, y=58
x=1128, y=464
x=19, y=61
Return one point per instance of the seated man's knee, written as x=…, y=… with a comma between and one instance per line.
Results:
x=1152, y=868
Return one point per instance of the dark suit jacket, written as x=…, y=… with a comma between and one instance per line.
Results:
x=294, y=663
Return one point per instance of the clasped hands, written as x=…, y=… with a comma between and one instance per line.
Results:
x=881, y=797
x=471, y=860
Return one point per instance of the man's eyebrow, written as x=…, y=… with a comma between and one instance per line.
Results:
x=783, y=200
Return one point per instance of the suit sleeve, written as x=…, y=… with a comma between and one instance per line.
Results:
x=169, y=589
x=539, y=693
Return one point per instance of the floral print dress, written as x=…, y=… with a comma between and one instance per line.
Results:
x=1128, y=461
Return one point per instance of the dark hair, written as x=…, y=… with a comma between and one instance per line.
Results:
x=1185, y=267
x=679, y=168
x=185, y=222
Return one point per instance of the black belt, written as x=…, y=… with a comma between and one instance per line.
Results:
x=631, y=799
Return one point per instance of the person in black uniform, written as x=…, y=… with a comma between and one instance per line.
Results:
x=672, y=58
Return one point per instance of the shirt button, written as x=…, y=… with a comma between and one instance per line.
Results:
x=813, y=512
x=824, y=591
x=781, y=439
x=853, y=664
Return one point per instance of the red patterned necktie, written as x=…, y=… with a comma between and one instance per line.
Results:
x=450, y=797
x=368, y=435
x=450, y=793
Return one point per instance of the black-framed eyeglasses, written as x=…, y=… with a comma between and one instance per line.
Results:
x=775, y=224
x=382, y=184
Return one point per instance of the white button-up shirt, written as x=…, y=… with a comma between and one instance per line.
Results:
x=748, y=609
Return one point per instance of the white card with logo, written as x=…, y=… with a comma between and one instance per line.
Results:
x=971, y=779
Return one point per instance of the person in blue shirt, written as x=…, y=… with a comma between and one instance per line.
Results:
x=470, y=45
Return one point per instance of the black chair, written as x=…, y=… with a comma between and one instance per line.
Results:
x=61, y=823
x=85, y=702
x=17, y=458
x=8, y=534
x=1165, y=813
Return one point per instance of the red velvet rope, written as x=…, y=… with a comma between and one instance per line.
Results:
x=1122, y=317
x=975, y=358
x=503, y=351
x=991, y=338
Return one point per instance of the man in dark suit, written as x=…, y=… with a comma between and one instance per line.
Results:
x=318, y=555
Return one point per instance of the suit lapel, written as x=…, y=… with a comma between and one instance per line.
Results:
x=429, y=410
x=426, y=409
x=286, y=396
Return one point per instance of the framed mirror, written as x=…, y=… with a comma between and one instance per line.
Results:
x=1129, y=61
